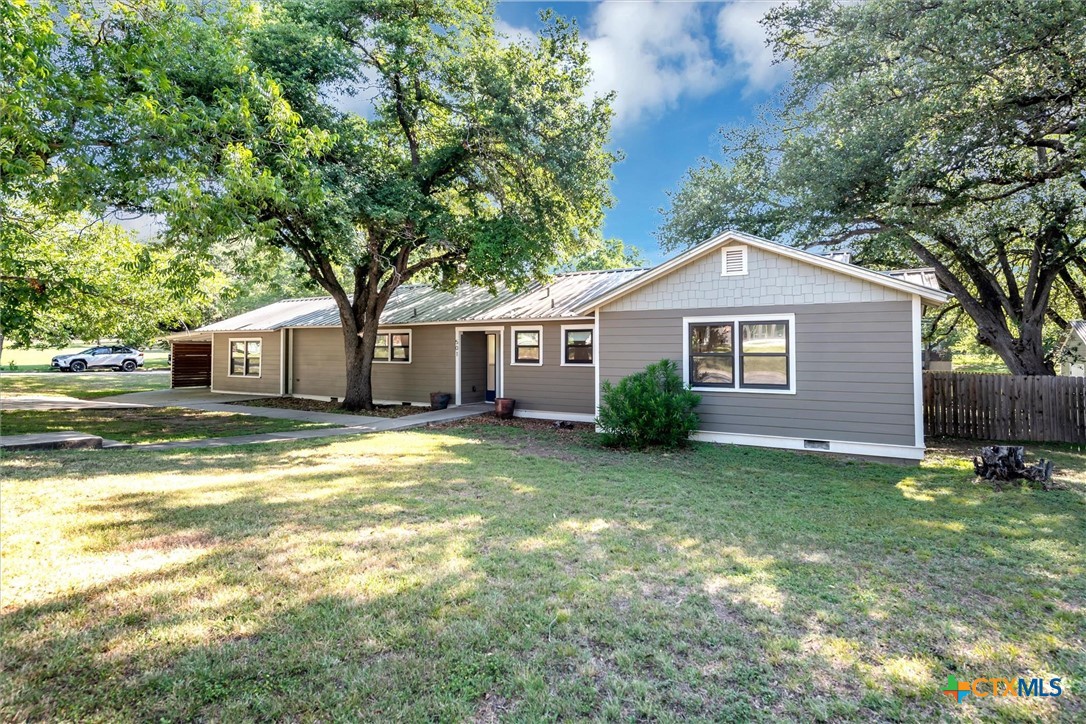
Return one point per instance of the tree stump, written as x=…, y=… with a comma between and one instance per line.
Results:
x=1003, y=463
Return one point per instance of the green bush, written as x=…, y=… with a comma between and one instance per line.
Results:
x=648, y=408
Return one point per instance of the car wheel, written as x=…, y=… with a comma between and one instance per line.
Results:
x=129, y=365
x=78, y=366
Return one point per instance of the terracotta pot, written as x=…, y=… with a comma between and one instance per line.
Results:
x=503, y=407
x=439, y=400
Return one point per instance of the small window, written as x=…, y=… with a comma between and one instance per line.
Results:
x=392, y=347
x=245, y=358
x=712, y=355
x=577, y=346
x=733, y=261
x=527, y=347
x=763, y=354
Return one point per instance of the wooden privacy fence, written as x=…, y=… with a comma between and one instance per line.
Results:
x=1005, y=407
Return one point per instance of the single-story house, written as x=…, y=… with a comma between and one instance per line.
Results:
x=1071, y=355
x=787, y=348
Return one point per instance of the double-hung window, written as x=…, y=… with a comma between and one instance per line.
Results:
x=393, y=347
x=753, y=354
x=576, y=346
x=245, y=358
x=528, y=346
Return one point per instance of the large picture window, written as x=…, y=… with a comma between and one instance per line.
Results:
x=751, y=354
x=393, y=347
x=528, y=346
x=576, y=346
x=245, y=358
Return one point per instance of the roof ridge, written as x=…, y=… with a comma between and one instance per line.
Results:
x=603, y=271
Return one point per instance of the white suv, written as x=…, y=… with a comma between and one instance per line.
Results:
x=118, y=358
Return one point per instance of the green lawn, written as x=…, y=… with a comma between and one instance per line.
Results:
x=38, y=360
x=481, y=573
x=145, y=424
x=989, y=363
x=86, y=386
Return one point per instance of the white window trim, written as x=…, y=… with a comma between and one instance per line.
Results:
x=230, y=356
x=737, y=389
x=742, y=249
x=410, y=347
x=562, y=344
x=513, y=345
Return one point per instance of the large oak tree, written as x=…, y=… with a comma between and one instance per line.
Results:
x=946, y=133
x=468, y=158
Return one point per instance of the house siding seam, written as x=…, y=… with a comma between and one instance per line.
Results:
x=854, y=370
x=270, y=368
x=770, y=279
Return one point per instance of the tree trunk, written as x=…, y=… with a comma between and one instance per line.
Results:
x=1023, y=355
x=358, y=348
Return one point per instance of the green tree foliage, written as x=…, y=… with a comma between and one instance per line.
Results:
x=648, y=408
x=29, y=89
x=475, y=159
x=946, y=133
x=611, y=254
x=64, y=274
x=74, y=278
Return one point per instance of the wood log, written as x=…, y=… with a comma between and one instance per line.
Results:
x=1007, y=462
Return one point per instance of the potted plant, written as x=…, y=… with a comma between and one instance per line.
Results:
x=503, y=407
x=439, y=400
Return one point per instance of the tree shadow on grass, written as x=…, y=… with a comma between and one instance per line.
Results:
x=448, y=577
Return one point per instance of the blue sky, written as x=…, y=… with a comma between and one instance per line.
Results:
x=681, y=71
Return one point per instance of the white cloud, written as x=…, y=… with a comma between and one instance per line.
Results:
x=740, y=33
x=651, y=54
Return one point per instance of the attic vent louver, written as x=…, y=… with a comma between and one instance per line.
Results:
x=733, y=261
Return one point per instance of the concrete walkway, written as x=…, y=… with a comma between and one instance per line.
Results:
x=59, y=402
x=284, y=413
x=130, y=400
x=370, y=424
x=180, y=397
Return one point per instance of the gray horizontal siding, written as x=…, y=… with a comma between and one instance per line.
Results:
x=319, y=367
x=319, y=370
x=270, y=368
x=550, y=386
x=854, y=370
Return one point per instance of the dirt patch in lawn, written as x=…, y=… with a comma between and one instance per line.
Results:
x=294, y=403
x=541, y=438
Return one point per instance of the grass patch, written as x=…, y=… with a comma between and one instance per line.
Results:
x=297, y=403
x=988, y=363
x=488, y=571
x=85, y=386
x=39, y=360
x=145, y=424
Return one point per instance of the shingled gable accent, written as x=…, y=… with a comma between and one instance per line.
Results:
x=927, y=294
